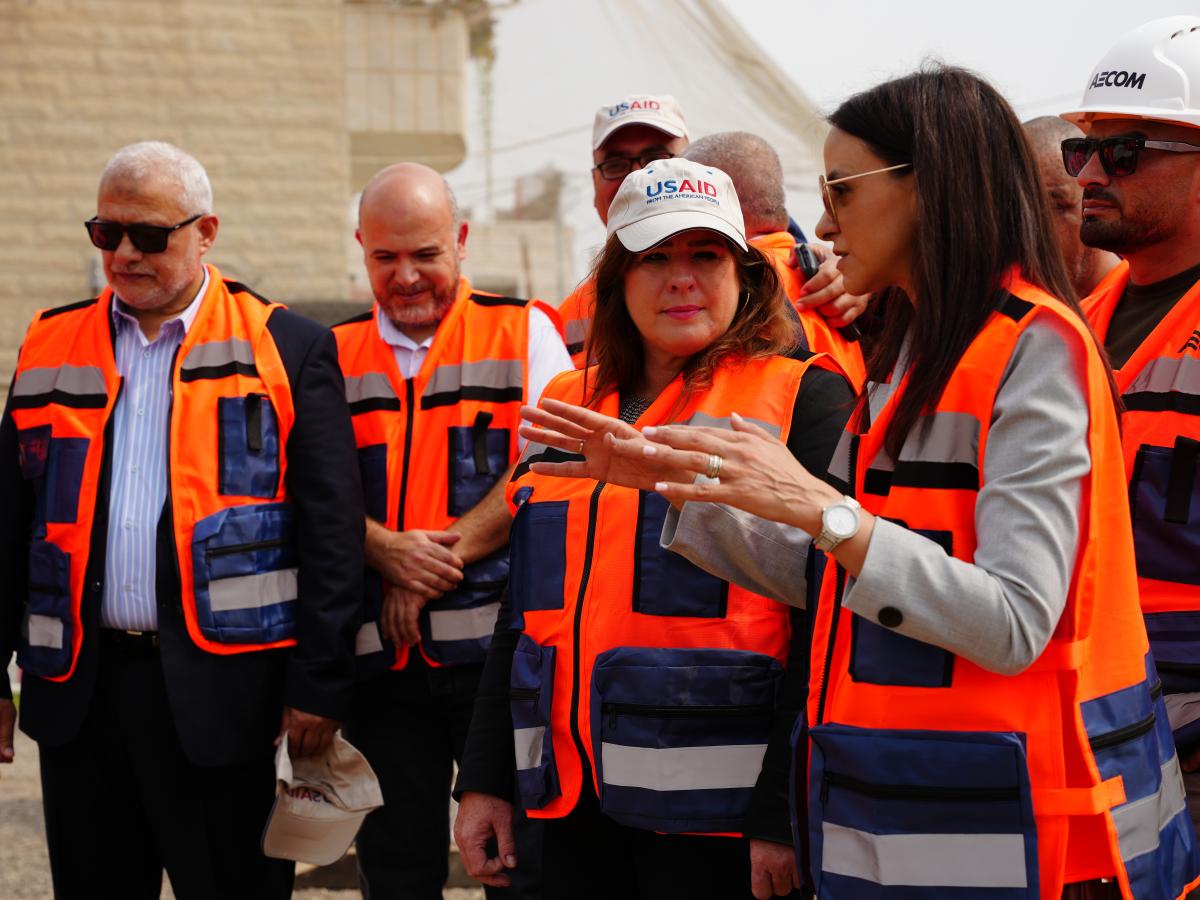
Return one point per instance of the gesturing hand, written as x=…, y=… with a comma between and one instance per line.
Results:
x=574, y=429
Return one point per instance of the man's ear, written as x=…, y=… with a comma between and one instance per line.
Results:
x=463, y=228
x=207, y=225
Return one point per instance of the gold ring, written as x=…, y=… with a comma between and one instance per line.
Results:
x=581, y=443
x=714, y=466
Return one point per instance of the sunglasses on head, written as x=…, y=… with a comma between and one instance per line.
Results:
x=1118, y=155
x=145, y=238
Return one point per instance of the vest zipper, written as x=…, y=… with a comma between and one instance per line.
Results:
x=593, y=507
x=915, y=792
x=408, y=431
x=612, y=710
x=1121, y=735
x=170, y=495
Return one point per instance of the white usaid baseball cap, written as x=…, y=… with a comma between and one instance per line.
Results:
x=320, y=803
x=661, y=112
x=674, y=195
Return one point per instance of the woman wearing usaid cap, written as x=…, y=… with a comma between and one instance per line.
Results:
x=984, y=716
x=650, y=703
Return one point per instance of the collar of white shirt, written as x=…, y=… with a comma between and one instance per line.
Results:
x=185, y=318
x=394, y=337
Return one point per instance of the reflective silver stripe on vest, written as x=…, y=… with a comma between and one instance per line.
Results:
x=463, y=624
x=252, y=591
x=682, y=768
x=839, y=463
x=1139, y=822
x=577, y=330
x=925, y=860
x=704, y=420
x=488, y=373
x=371, y=386
x=368, y=640
x=1165, y=374
x=81, y=380
x=218, y=353
x=948, y=437
x=44, y=631
x=878, y=394
x=528, y=744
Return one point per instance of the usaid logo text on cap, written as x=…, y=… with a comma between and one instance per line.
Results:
x=641, y=104
x=670, y=188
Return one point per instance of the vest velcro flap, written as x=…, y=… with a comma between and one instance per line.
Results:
x=246, y=574
x=679, y=734
x=935, y=814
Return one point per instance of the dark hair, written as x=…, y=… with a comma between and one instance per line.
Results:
x=981, y=209
x=762, y=326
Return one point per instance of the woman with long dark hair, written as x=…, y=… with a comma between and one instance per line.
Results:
x=643, y=704
x=983, y=714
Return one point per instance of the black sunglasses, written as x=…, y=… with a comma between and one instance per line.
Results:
x=1118, y=155
x=618, y=167
x=145, y=238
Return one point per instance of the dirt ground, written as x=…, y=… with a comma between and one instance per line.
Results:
x=25, y=870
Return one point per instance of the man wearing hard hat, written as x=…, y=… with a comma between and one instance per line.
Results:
x=1139, y=166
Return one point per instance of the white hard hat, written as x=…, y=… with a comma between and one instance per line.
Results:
x=1152, y=72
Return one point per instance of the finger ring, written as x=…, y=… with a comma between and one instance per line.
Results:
x=714, y=465
x=581, y=448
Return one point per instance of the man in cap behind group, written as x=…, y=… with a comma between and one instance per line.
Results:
x=630, y=134
x=1139, y=167
x=436, y=374
x=1086, y=266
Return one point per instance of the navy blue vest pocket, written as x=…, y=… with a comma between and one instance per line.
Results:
x=1130, y=737
x=679, y=735
x=47, y=631
x=249, y=446
x=372, y=468
x=1164, y=496
x=531, y=696
x=879, y=655
x=245, y=565
x=921, y=814
x=55, y=466
x=456, y=629
x=664, y=583
x=478, y=457
x=538, y=552
x=1175, y=644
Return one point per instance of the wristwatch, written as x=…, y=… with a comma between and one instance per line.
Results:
x=839, y=522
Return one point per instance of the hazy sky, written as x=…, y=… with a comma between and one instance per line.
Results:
x=558, y=60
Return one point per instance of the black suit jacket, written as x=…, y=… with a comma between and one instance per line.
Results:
x=227, y=709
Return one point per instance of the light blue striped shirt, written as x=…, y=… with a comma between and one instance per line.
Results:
x=139, y=465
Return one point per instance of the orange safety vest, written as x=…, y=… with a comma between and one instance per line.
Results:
x=820, y=336
x=231, y=414
x=576, y=314
x=430, y=447
x=633, y=663
x=931, y=772
x=1160, y=431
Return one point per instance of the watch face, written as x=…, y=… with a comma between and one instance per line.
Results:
x=841, y=521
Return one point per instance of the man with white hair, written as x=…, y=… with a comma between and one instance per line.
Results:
x=180, y=551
